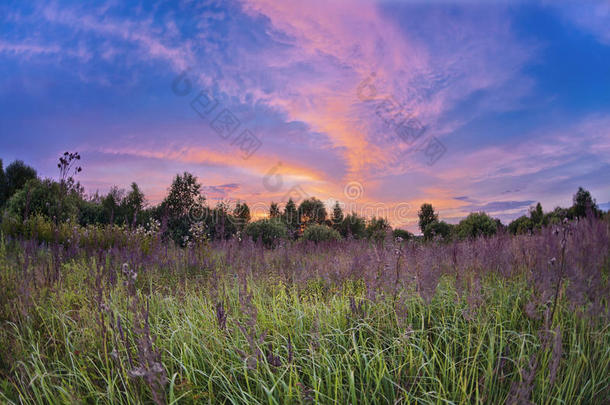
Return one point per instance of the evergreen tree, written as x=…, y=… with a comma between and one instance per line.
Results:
x=274, y=210
x=291, y=217
x=338, y=216
x=241, y=214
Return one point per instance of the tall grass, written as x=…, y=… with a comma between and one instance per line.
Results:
x=339, y=323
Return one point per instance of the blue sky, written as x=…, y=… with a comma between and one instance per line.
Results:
x=379, y=105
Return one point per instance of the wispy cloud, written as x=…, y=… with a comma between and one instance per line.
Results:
x=290, y=70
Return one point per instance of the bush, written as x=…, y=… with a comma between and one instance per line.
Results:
x=42, y=197
x=476, y=224
x=438, y=229
x=320, y=233
x=353, y=226
x=521, y=225
x=269, y=231
x=401, y=233
x=377, y=229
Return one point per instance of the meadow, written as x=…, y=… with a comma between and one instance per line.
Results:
x=501, y=319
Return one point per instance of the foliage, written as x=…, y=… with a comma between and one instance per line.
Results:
x=3, y=186
x=353, y=226
x=268, y=231
x=521, y=225
x=378, y=229
x=320, y=233
x=274, y=210
x=241, y=212
x=184, y=193
x=312, y=211
x=183, y=202
x=133, y=204
x=41, y=197
x=426, y=216
x=291, y=217
x=220, y=222
x=438, y=229
x=584, y=204
x=402, y=234
x=337, y=217
x=476, y=224
x=17, y=175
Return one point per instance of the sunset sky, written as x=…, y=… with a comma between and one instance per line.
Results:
x=381, y=105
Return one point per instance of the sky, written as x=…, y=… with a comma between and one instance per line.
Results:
x=380, y=105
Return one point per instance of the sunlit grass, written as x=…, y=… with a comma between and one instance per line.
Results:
x=419, y=353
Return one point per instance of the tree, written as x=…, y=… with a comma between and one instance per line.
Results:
x=320, y=233
x=133, y=204
x=182, y=207
x=17, y=175
x=353, y=226
x=274, y=210
x=401, y=233
x=583, y=203
x=2, y=185
x=291, y=217
x=556, y=216
x=112, y=203
x=476, y=224
x=521, y=225
x=39, y=198
x=268, y=231
x=220, y=221
x=241, y=214
x=426, y=216
x=378, y=228
x=537, y=215
x=338, y=216
x=184, y=194
x=438, y=228
x=312, y=211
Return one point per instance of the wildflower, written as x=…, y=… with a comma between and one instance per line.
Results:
x=125, y=269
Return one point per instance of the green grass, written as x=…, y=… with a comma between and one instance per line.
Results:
x=59, y=352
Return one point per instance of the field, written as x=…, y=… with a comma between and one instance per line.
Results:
x=504, y=319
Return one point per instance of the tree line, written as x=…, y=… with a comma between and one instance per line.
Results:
x=184, y=215
x=481, y=224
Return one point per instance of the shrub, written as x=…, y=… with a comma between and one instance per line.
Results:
x=378, y=228
x=269, y=231
x=41, y=197
x=438, y=228
x=353, y=225
x=401, y=233
x=476, y=224
x=320, y=233
x=521, y=225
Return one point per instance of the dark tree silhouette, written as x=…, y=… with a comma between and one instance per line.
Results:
x=338, y=216
x=17, y=174
x=426, y=216
x=274, y=210
x=583, y=203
